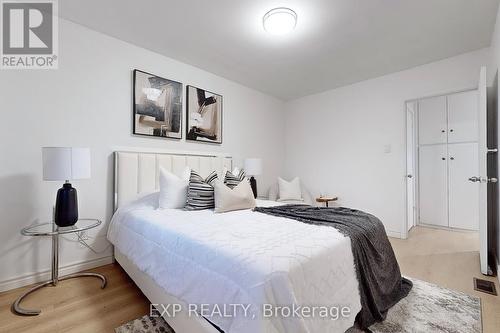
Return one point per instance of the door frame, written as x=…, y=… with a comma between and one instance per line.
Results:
x=483, y=170
x=404, y=232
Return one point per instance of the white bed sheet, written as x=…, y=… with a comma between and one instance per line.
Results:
x=241, y=257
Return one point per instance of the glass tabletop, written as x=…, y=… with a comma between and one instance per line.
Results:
x=50, y=228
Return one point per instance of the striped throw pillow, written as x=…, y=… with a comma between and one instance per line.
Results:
x=232, y=180
x=200, y=193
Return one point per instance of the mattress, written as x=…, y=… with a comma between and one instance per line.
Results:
x=268, y=265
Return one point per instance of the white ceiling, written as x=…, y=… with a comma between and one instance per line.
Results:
x=336, y=42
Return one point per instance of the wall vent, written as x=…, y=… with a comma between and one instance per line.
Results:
x=485, y=286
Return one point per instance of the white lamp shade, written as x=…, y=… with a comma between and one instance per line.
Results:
x=65, y=163
x=253, y=166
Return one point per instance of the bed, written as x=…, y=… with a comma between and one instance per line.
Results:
x=242, y=257
x=275, y=268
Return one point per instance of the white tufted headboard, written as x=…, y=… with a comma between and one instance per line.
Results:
x=138, y=172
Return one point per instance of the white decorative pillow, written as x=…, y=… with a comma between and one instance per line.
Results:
x=239, y=197
x=173, y=189
x=289, y=190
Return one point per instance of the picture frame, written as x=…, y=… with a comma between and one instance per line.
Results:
x=204, y=115
x=157, y=106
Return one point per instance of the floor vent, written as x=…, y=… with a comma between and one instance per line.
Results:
x=485, y=286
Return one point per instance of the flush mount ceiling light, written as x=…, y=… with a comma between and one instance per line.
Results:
x=279, y=21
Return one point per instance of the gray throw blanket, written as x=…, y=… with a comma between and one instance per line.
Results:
x=380, y=282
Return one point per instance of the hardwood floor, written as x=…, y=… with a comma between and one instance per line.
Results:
x=77, y=305
x=446, y=258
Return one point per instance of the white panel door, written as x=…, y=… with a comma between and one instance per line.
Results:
x=411, y=111
x=463, y=195
x=432, y=122
x=433, y=188
x=463, y=117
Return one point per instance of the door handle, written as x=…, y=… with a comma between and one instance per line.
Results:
x=483, y=180
x=409, y=176
x=491, y=151
x=474, y=179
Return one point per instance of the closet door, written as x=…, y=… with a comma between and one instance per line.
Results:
x=432, y=121
x=463, y=194
x=463, y=117
x=433, y=188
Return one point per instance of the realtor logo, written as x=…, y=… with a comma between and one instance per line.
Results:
x=29, y=34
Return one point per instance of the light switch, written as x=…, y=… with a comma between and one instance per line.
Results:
x=387, y=148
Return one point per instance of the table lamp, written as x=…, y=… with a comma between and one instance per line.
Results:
x=253, y=167
x=66, y=163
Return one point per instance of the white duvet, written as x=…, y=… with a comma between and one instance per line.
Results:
x=241, y=257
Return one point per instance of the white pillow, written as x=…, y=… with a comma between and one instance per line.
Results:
x=173, y=189
x=239, y=197
x=289, y=190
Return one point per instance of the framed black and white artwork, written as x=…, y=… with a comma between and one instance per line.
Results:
x=157, y=106
x=204, y=115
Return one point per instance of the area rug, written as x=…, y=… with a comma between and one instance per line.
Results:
x=427, y=308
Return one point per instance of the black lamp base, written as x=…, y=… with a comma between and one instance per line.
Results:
x=66, y=210
x=253, y=184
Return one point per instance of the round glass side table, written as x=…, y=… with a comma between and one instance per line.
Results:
x=52, y=230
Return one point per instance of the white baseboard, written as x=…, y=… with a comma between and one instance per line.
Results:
x=25, y=280
x=394, y=234
x=432, y=226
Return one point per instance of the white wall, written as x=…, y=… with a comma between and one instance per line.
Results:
x=495, y=51
x=88, y=102
x=336, y=139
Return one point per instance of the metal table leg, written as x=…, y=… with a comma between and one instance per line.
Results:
x=16, y=308
x=55, y=259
